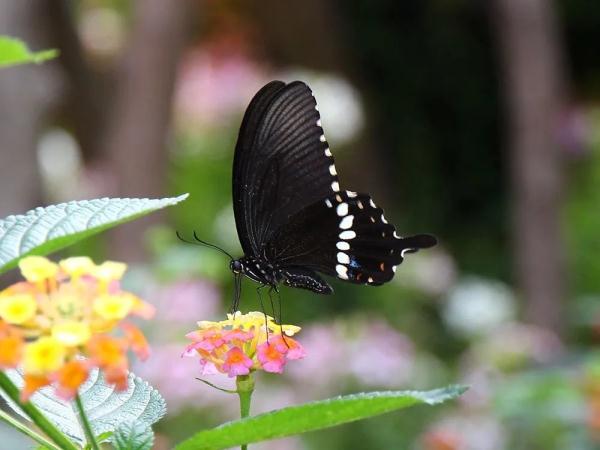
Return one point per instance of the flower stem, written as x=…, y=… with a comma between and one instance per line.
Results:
x=35, y=415
x=245, y=387
x=23, y=429
x=89, y=434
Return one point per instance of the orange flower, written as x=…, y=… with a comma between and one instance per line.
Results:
x=69, y=377
x=64, y=313
x=136, y=340
x=32, y=384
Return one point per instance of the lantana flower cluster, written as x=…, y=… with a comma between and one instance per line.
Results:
x=244, y=343
x=57, y=325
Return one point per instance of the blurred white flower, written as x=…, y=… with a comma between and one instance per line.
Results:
x=101, y=30
x=59, y=160
x=477, y=305
x=339, y=103
x=432, y=272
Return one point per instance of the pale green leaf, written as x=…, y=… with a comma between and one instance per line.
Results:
x=133, y=436
x=44, y=230
x=105, y=407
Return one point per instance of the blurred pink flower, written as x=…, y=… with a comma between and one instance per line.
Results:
x=213, y=87
x=382, y=356
x=173, y=376
x=180, y=301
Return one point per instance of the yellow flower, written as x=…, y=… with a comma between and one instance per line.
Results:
x=113, y=307
x=109, y=271
x=43, y=356
x=17, y=309
x=77, y=266
x=71, y=334
x=37, y=268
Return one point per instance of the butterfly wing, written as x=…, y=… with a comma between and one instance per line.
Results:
x=282, y=163
x=344, y=235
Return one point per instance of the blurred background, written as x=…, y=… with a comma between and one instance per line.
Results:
x=474, y=120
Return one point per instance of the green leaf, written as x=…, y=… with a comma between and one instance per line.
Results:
x=105, y=407
x=14, y=51
x=313, y=416
x=133, y=436
x=44, y=230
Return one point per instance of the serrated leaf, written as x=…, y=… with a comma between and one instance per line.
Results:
x=133, y=436
x=105, y=407
x=44, y=230
x=14, y=51
x=313, y=416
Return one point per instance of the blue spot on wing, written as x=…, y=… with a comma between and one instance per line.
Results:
x=353, y=263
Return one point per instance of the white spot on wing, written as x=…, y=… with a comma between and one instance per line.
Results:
x=346, y=222
x=347, y=235
x=342, y=271
x=327, y=152
x=372, y=203
x=396, y=235
x=383, y=219
x=319, y=122
x=335, y=186
x=343, y=258
x=404, y=251
x=394, y=268
x=332, y=170
x=342, y=209
x=322, y=138
x=328, y=203
x=370, y=280
x=360, y=205
x=341, y=245
x=351, y=194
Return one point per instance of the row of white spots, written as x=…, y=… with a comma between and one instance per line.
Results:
x=342, y=209
x=342, y=245
x=342, y=271
x=347, y=222
x=347, y=235
x=332, y=170
x=343, y=258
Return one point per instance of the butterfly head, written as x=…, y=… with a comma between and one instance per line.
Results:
x=236, y=266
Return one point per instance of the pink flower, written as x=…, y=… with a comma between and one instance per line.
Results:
x=244, y=343
x=271, y=356
x=237, y=363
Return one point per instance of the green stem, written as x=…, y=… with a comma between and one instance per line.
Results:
x=89, y=434
x=245, y=387
x=23, y=429
x=35, y=415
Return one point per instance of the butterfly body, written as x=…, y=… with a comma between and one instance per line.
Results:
x=292, y=218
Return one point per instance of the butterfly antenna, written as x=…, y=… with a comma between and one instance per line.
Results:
x=198, y=241
x=208, y=244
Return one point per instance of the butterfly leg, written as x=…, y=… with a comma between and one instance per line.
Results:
x=278, y=314
x=262, y=307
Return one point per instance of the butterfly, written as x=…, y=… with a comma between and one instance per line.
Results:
x=293, y=220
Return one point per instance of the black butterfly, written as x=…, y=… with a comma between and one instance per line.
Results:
x=291, y=216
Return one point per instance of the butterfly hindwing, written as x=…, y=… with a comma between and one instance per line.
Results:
x=345, y=235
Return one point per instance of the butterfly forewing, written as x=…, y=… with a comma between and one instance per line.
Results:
x=282, y=162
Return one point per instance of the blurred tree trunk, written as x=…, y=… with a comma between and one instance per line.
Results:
x=26, y=94
x=138, y=126
x=529, y=43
